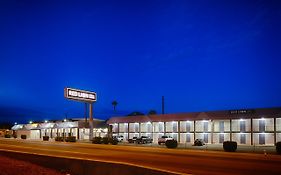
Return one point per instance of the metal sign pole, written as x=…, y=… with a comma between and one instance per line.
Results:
x=91, y=124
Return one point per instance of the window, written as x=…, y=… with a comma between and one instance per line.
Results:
x=221, y=126
x=261, y=125
x=243, y=126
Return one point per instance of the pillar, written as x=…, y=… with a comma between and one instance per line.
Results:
x=91, y=123
x=274, y=125
x=230, y=129
x=212, y=131
x=179, y=132
x=164, y=128
x=251, y=131
x=194, y=130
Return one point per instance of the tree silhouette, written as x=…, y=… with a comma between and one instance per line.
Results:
x=114, y=104
x=152, y=112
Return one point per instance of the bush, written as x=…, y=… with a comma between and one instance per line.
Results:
x=45, y=138
x=7, y=136
x=113, y=141
x=171, y=143
x=278, y=147
x=15, y=136
x=23, y=136
x=229, y=146
x=97, y=140
x=70, y=139
x=59, y=139
x=105, y=140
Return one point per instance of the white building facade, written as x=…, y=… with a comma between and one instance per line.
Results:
x=246, y=127
x=78, y=128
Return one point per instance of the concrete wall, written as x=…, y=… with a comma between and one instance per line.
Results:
x=158, y=127
x=216, y=137
x=236, y=125
x=237, y=138
x=217, y=125
x=269, y=124
x=278, y=124
x=184, y=136
x=199, y=125
x=269, y=138
x=186, y=126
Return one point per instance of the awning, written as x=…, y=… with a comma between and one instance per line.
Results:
x=17, y=127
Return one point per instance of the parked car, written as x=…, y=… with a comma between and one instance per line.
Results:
x=199, y=142
x=118, y=138
x=133, y=140
x=163, y=139
x=143, y=140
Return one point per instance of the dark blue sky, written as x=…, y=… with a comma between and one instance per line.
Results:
x=201, y=55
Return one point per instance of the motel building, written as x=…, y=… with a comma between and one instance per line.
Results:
x=246, y=127
x=61, y=128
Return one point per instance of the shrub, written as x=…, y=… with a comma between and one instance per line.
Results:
x=171, y=143
x=45, y=138
x=15, y=136
x=278, y=147
x=229, y=146
x=105, y=140
x=70, y=139
x=97, y=140
x=7, y=136
x=23, y=136
x=113, y=141
x=59, y=139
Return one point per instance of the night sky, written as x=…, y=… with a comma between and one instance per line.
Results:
x=201, y=55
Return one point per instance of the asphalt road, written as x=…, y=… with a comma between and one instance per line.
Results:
x=178, y=161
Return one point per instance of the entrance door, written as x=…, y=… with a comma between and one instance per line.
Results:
x=206, y=138
x=242, y=138
x=261, y=139
x=221, y=139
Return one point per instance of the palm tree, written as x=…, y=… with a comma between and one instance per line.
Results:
x=114, y=104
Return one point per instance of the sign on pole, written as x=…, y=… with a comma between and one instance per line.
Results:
x=83, y=96
x=80, y=95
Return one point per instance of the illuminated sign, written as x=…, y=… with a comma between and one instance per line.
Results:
x=242, y=111
x=80, y=95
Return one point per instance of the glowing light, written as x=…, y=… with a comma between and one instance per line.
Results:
x=241, y=120
x=16, y=123
x=204, y=120
x=30, y=122
x=64, y=120
x=262, y=118
x=46, y=121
